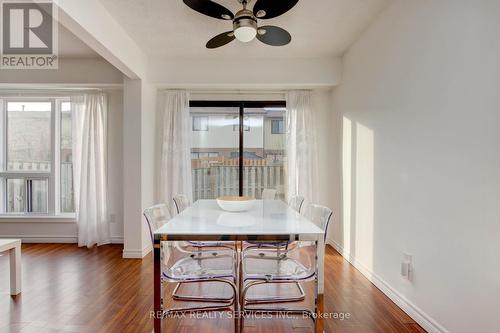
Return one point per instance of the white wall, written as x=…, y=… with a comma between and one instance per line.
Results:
x=139, y=164
x=327, y=130
x=249, y=74
x=96, y=27
x=148, y=158
x=420, y=102
x=72, y=71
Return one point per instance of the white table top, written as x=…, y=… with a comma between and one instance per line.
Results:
x=268, y=218
x=7, y=244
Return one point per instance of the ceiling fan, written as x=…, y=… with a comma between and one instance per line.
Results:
x=245, y=27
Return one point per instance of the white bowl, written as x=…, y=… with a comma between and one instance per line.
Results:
x=235, y=203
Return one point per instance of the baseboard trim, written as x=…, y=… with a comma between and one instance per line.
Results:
x=66, y=239
x=136, y=253
x=116, y=240
x=44, y=238
x=422, y=318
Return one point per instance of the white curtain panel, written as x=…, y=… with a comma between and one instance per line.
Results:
x=89, y=126
x=174, y=175
x=301, y=147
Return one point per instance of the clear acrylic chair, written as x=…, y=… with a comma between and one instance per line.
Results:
x=269, y=194
x=182, y=202
x=262, y=266
x=183, y=266
x=296, y=202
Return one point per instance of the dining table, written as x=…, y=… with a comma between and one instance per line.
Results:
x=265, y=221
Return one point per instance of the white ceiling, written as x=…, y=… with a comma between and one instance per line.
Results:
x=168, y=28
x=71, y=46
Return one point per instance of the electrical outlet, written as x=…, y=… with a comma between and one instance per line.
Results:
x=112, y=218
x=407, y=267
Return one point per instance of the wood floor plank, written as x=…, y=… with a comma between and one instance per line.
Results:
x=71, y=289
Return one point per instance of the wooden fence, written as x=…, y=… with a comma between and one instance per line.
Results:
x=216, y=181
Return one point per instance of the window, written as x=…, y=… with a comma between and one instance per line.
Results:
x=248, y=161
x=277, y=126
x=67, y=204
x=236, y=124
x=200, y=123
x=36, y=171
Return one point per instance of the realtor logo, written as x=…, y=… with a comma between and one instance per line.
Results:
x=29, y=35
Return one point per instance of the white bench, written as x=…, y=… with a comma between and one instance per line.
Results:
x=14, y=248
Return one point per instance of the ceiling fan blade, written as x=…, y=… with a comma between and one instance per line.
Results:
x=274, y=36
x=210, y=8
x=220, y=40
x=266, y=9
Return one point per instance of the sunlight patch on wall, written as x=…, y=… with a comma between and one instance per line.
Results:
x=347, y=146
x=364, y=192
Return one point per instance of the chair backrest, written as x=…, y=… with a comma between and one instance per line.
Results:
x=156, y=217
x=268, y=194
x=296, y=202
x=320, y=215
x=181, y=202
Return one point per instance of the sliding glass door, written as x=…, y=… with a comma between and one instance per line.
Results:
x=214, y=151
x=238, y=148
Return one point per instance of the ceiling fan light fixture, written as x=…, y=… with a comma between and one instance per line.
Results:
x=245, y=26
x=245, y=34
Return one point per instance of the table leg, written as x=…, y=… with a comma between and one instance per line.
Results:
x=320, y=285
x=158, y=311
x=15, y=270
x=240, y=315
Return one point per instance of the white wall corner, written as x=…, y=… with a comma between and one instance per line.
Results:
x=137, y=253
x=422, y=318
x=90, y=21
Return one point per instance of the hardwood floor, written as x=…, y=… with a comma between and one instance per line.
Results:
x=70, y=289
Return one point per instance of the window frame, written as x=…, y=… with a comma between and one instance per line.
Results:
x=52, y=176
x=242, y=105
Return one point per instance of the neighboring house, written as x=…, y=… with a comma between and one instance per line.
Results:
x=216, y=135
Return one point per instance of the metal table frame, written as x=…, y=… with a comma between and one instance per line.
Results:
x=319, y=276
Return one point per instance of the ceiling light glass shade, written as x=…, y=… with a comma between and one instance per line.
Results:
x=245, y=34
x=245, y=26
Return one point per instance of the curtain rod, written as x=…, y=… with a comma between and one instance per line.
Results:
x=20, y=91
x=24, y=90
x=235, y=92
x=57, y=86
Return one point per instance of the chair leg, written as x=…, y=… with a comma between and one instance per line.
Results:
x=306, y=311
x=225, y=306
x=196, y=298
x=279, y=299
x=199, y=298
